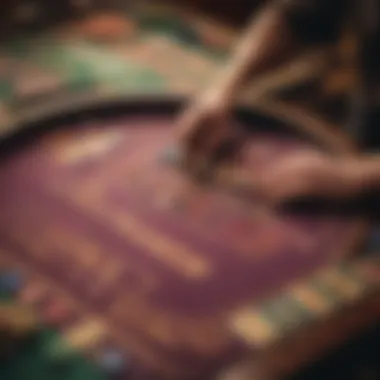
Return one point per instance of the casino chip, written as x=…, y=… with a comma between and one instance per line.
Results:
x=172, y=156
x=55, y=313
x=11, y=282
x=60, y=352
x=112, y=362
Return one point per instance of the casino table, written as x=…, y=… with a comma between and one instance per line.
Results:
x=120, y=251
x=185, y=279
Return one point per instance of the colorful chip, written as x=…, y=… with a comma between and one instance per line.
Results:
x=56, y=313
x=86, y=335
x=286, y=313
x=346, y=287
x=254, y=328
x=311, y=299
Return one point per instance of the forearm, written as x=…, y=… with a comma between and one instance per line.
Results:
x=266, y=43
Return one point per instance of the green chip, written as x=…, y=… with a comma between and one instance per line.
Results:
x=58, y=350
x=286, y=313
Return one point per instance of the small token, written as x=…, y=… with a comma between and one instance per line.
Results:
x=172, y=156
x=11, y=282
x=112, y=362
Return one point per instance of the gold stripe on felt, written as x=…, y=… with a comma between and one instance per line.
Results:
x=346, y=286
x=310, y=299
x=86, y=334
x=253, y=327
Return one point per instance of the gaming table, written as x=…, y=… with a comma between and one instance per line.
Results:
x=121, y=249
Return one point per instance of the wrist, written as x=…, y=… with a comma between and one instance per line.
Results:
x=219, y=99
x=365, y=172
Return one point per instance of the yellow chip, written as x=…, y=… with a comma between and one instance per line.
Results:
x=347, y=287
x=310, y=299
x=86, y=334
x=253, y=328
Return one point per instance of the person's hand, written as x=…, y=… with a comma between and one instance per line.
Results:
x=308, y=174
x=205, y=130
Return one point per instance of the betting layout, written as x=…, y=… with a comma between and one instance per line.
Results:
x=162, y=260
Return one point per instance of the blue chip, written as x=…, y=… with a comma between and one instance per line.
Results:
x=112, y=362
x=11, y=282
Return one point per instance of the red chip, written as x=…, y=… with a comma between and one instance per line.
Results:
x=56, y=313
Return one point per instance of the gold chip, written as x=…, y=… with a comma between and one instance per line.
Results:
x=311, y=299
x=345, y=286
x=253, y=328
x=86, y=334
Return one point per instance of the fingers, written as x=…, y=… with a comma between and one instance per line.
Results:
x=207, y=139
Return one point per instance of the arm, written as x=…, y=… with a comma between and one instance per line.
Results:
x=268, y=41
x=274, y=36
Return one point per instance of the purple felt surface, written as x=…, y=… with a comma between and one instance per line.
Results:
x=94, y=215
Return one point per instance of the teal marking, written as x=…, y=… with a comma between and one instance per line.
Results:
x=81, y=65
x=80, y=77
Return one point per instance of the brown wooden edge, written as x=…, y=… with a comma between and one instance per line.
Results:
x=302, y=120
x=309, y=343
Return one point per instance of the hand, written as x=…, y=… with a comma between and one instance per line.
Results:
x=308, y=174
x=205, y=129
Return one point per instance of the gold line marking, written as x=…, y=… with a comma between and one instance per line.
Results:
x=89, y=197
x=182, y=259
